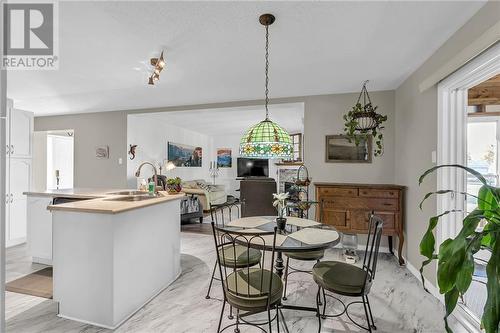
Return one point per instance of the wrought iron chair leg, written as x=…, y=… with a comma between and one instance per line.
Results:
x=367, y=315
x=211, y=280
x=269, y=319
x=324, y=303
x=320, y=303
x=318, y=297
x=370, y=311
x=277, y=318
x=237, y=329
x=231, y=313
x=286, y=277
x=221, y=315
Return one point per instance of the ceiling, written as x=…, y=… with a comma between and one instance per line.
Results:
x=215, y=51
x=231, y=121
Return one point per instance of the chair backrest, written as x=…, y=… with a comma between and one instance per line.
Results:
x=372, y=247
x=230, y=245
x=257, y=197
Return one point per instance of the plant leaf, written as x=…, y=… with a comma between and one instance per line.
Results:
x=450, y=299
x=469, y=170
x=491, y=315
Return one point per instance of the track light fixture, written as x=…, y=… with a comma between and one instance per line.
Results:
x=158, y=64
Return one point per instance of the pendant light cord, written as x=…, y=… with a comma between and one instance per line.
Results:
x=267, y=72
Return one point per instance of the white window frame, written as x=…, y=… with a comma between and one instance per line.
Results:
x=452, y=134
x=452, y=149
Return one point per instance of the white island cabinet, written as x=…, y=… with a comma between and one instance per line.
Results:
x=111, y=257
x=39, y=229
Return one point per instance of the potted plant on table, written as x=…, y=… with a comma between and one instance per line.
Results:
x=174, y=185
x=280, y=204
x=455, y=258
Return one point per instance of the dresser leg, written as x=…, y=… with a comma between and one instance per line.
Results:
x=389, y=238
x=401, y=239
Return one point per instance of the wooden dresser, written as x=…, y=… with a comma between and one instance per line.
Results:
x=347, y=207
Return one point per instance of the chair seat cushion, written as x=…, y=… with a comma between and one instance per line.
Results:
x=247, y=289
x=340, y=278
x=244, y=257
x=309, y=255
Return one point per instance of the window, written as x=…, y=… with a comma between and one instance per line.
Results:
x=297, y=147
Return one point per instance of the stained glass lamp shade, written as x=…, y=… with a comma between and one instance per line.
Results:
x=266, y=140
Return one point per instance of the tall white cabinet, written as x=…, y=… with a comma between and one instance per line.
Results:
x=19, y=149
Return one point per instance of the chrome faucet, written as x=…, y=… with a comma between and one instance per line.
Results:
x=155, y=177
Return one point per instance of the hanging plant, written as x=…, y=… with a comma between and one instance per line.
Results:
x=363, y=121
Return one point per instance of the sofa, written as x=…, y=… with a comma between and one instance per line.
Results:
x=208, y=194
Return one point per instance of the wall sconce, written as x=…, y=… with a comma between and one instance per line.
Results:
x=158, y=64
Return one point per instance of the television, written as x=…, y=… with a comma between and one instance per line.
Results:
x=253, y=167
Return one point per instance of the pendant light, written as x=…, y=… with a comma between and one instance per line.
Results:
x=266, y=139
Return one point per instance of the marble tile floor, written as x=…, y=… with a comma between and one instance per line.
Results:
x=399, y=303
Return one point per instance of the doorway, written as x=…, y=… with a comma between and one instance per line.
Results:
x=53, y=160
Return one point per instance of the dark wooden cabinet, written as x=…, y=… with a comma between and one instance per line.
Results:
x=347, y=207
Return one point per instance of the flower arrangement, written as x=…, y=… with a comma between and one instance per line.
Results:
x=280, y=202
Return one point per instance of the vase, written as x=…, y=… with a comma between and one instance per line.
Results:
x=281, y=223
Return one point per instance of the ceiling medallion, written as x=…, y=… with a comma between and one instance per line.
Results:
x=266, y=139
x=158, y=64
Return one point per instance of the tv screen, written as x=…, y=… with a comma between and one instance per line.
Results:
x=253, y=167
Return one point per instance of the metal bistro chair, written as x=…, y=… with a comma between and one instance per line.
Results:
x=349, y=280
x=253, y=259
x=251, y=290
x=303, y=256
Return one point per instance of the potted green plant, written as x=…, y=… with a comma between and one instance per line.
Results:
x=455, y=256
x=174, y=185
x=355, y=130
x=280, y=204
x=363, y=121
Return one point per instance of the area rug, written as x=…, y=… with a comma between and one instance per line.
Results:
x=38, y=283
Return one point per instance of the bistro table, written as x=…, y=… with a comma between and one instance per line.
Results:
x=300, y=235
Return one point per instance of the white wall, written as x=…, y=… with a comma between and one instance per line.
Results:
x=151, y=137
x=227, y=176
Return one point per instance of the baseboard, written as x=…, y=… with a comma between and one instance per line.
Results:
x=431, y=287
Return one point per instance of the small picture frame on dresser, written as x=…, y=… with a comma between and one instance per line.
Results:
x=338, y=149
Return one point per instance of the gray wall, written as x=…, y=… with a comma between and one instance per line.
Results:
x=92, y=130
x=323, y=116
x=416, y=130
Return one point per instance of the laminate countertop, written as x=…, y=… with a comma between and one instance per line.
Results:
x=77, y=193
x=102, y=201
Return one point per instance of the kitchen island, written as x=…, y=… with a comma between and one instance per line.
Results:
x=113, y=253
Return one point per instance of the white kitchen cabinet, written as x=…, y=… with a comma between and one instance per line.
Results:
x=18, y=173
x=20, y=179
x=40, y=229
x=21, y=131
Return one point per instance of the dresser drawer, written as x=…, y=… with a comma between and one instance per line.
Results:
x=360, y=220
x=336, y=191
x=335, y=218
x=343, y=203
x=378, y=193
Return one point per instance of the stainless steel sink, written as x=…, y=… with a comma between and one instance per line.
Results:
x=129, y=193
x=133, y=198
